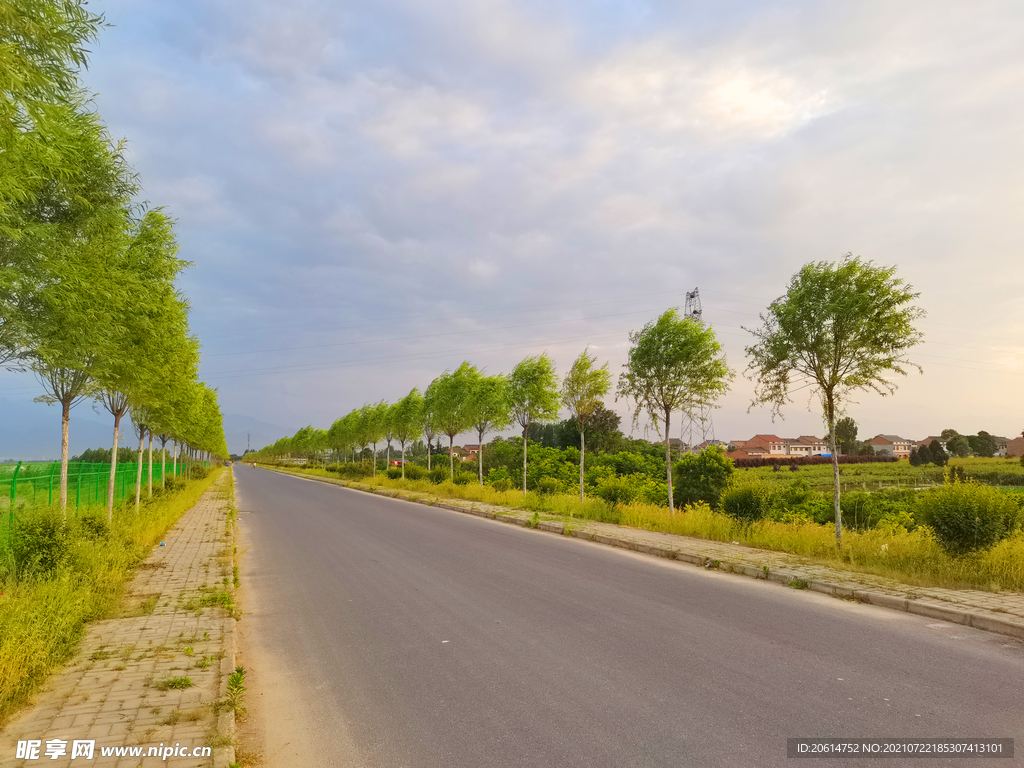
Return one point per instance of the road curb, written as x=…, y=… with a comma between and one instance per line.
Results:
x=879, y=599
x=225, y=755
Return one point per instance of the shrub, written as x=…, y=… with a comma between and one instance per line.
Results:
x=967, y=516
x=701, y=477
x=749, y=501
x=395, y=473
x=414, y=472
x=465, y=478
x=615, y=490
x=548, y=486
x=41, y=541
x=353, y=471
x=93, y=525
x=438, y=475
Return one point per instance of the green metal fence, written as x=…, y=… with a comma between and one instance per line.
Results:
x=35, y=484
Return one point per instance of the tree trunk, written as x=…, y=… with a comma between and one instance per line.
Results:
x=480, y=455
x=451, y=455
x=582, y=447
x=428, y=454
x=138, y=472
x=525, y=430
x=373, y=458
x=668, y=463
x=174, y=467
x=113, y=468
x=151, y=464
x=163, y=462
x=65, y=420
x=388, y=465
x=403, y=459
x=830, y=409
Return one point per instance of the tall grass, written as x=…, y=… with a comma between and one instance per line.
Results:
x=43, y=615
x=914, y=557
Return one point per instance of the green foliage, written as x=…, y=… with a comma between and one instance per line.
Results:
x=548, y=485
x=41, y=542
x=982, y=444
x=967, y=516
x=844, y=327
x=394, y=473
x=438, y=475
x=414, y=472
x=674, y=364
x=499, y=479
x=750, y=500
x=702, y=477
x=236, y=691
x=353, y=470
x=846, y=435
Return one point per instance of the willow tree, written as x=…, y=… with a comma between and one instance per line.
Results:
x=408, y=420
x=675, y=364
x=843, y=327
x=533, y=396
x=446, y=400
x=582, y=389
x=488, y=410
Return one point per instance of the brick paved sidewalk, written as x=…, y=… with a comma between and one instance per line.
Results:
x=997, y=611
x=112, y=690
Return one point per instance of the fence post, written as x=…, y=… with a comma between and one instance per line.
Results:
x=49, y=484
x=78, y=487
x=14, y=495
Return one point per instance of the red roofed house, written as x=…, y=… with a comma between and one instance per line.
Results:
x=893, y=445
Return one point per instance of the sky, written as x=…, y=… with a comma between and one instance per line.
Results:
x=373, y=192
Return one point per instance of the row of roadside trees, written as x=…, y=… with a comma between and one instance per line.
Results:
x=88, y=276
x=841, y=327
x=675, y=366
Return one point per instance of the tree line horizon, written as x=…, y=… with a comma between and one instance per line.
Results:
x=840, y=327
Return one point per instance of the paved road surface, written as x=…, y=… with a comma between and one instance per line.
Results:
x=414, y=636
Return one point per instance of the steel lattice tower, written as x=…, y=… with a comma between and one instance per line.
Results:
x=702, y=424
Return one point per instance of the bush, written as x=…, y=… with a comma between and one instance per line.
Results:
x=465, y=478
x=352, y=471
x=616, y=490
x=967, y=516
x=438, y=475
x=548, y=486
x=414, y=472
x=395, y=473
x=750, y=501
x=40, y=542
x=701, y=477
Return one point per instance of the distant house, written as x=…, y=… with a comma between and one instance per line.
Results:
x=931, y=439
x=772, y=445
x=892, y=445
x=1001, y=444
x=1014, y=447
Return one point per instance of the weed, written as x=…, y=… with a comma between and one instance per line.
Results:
x=236, y=691
x=188, y=650
x=174, y=683
x=798, y=584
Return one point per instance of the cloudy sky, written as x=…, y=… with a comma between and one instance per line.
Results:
x=374, y=191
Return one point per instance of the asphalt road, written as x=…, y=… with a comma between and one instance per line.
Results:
x=417, y=636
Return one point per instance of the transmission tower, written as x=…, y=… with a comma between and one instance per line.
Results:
x=701, y=424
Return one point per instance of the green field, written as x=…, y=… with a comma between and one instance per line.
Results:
x=999, y=472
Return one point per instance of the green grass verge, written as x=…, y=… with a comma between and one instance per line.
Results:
x=912, y=557
x=43, y=619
